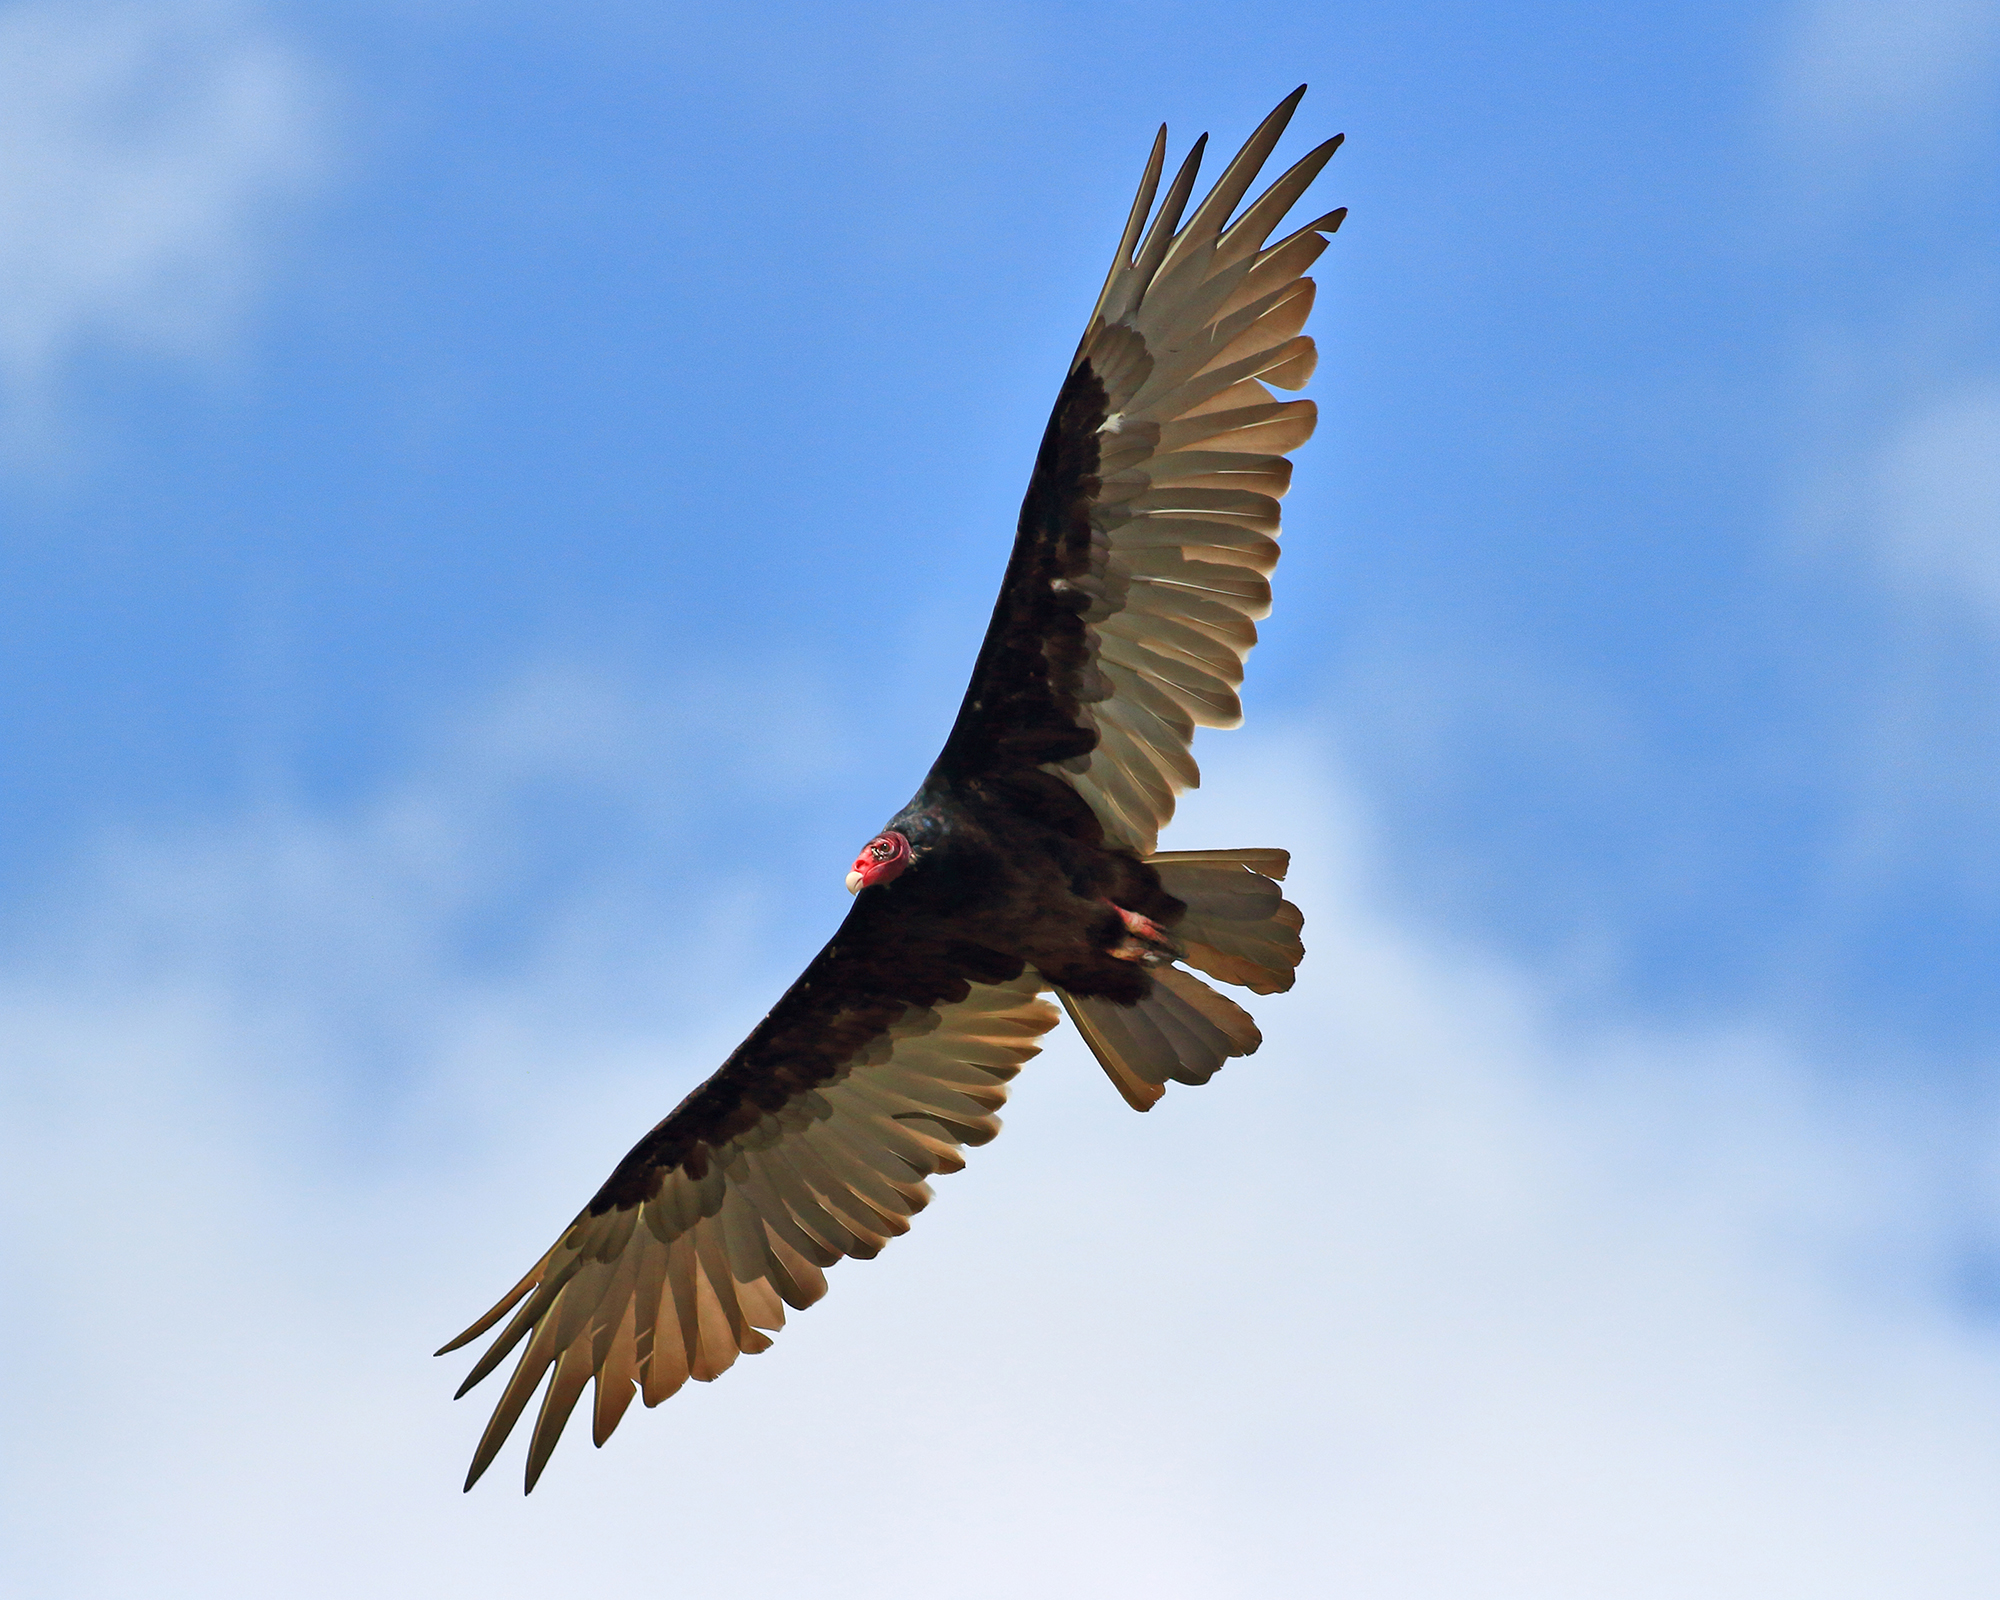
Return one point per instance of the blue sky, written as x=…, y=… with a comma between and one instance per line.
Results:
x=498, y=503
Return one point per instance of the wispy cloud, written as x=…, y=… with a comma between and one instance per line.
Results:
x=1937, y=502
x=1883, y=77
x=1887, y=112
x=146, y=149
x=1906, y=406
x=1438, y=1294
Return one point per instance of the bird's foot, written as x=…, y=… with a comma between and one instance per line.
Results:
x=1145, y=941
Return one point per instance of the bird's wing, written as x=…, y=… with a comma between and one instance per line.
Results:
x=1149, y=528
x=813, y=1142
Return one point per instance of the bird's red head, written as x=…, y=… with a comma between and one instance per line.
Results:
x=882, y=858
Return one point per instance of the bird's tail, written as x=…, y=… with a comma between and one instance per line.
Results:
x=1240, y=928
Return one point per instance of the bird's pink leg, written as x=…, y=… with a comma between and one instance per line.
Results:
x=1145, y=941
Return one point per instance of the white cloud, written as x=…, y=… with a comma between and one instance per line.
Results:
x=1437, y=1296
x=145, y=151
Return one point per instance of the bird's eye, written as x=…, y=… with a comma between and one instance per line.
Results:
x=881, y=849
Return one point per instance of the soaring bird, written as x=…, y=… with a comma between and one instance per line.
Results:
x=1025, y=863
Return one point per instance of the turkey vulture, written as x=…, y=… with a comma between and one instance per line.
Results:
x=1025, y=863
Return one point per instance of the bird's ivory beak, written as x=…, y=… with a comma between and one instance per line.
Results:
x=854, y=883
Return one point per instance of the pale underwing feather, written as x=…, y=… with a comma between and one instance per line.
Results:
x=572, y=1373
x=1268, y=862
x=1165, y=635
x=1134, y=765
x=1238, y=396
x=1224, y=469
x=1220, y=621
x=1162, y=741
x=617, y=1379
x=1246, y=235
x=1282, y=263
x=1269, y=425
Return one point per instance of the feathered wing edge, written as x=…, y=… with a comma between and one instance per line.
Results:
x=641, y=1298
x=1194, y=322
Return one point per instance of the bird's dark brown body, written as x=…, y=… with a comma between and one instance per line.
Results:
x=1020, y=867
x=1006, y=874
